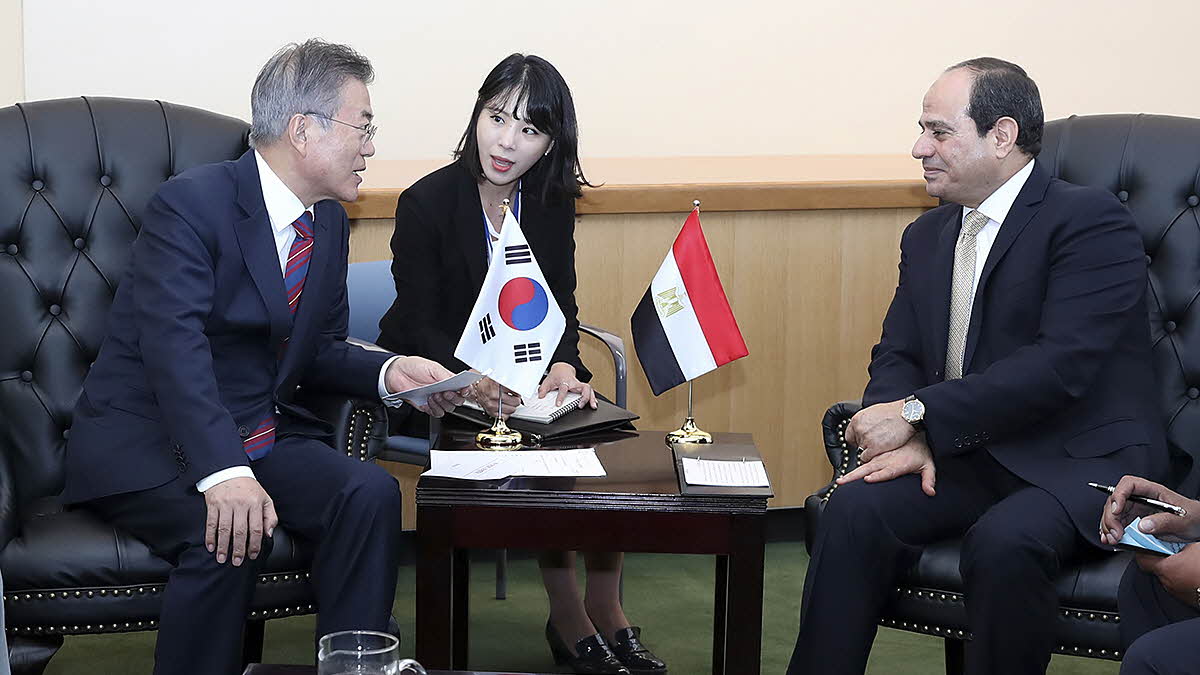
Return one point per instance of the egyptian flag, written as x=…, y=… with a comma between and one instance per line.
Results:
x=683, y=327
x=516, y=323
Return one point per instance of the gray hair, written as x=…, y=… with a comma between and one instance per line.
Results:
x=302, y=78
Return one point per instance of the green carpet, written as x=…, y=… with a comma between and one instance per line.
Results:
x=669, y=596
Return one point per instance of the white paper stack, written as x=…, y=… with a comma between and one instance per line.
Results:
x=494, y=465
x=725, y=473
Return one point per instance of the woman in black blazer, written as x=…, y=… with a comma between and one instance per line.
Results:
x=520, y=144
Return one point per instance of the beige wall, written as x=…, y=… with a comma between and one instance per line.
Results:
x=676, y=77
x=12, y=61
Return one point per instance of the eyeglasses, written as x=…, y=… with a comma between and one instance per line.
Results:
x=367, y=130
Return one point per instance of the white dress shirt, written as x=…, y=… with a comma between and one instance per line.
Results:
x=996, y=208
x=283, y=208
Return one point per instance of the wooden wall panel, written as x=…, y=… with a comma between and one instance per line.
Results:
x=370, y=239
x=726, y=183
x=809, y=289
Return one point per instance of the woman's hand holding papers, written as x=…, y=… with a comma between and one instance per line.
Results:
x=489, y=394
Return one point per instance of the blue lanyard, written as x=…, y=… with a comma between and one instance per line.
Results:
x=487, y=226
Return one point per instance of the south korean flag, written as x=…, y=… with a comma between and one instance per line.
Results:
x=516, y=323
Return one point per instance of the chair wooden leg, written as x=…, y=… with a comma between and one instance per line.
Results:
x=955, y=656
x=501, y=573
x=29, y=655
x=252, y=642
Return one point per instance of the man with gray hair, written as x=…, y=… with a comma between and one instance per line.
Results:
x=188, y=434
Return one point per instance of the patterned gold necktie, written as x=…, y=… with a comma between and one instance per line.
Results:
x=962, y=293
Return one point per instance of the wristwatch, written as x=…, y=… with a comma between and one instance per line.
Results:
x=913, y=411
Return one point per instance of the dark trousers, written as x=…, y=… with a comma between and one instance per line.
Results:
x=1160, y=634
x=348, y=510
x=1016, y=538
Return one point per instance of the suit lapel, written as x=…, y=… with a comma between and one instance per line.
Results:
x=1024, y=207
x=943, y=270
x=469, y=230
x=258, y=247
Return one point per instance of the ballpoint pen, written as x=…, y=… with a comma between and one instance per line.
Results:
x=1152, y=503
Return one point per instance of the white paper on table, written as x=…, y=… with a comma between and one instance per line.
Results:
x=419, y=396
x=468, y=464
x=493, y=465
x=724, y=473
x=580, y=463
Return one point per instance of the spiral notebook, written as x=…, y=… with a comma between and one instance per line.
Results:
x=542, y=410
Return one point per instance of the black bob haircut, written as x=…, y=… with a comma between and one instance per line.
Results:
x=529, y=82
x=1003, y=89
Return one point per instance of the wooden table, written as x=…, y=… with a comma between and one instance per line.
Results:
x=642, y=505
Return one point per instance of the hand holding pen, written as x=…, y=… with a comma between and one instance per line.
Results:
x=1146, y=501
x=1165, y=513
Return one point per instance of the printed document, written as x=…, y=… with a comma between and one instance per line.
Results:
x=494, y=465
x=725, y=473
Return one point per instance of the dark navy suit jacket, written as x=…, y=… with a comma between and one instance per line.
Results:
x=192, y=360
x=1058, y=383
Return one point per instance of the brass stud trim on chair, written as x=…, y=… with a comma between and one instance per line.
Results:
x=350, y=434
x=844, y=465
x=93, y=594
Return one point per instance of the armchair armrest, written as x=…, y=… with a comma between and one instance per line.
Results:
x=833, y=430
x=616, y=347
x=359, y=425
x=843, y=460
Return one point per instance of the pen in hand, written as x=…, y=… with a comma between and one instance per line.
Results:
x=1152, y=503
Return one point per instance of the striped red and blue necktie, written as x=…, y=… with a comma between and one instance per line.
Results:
x=262, y=439
x=297, y=263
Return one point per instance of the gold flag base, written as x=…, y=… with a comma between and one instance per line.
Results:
x=499, y=437
x=689, y=433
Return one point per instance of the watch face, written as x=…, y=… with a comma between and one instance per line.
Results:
x=913, y=411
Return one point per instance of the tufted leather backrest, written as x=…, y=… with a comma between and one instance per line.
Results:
x=75, y=177
x=1152, y=164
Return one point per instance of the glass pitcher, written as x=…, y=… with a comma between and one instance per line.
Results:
x=363, y=652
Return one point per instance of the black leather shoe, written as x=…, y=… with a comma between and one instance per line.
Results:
x=591, y=657
x=628, y=647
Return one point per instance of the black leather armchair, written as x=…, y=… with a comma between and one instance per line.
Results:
x=1152, y=164
x=75, y=176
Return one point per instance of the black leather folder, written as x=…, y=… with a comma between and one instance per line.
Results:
x=576, y=423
